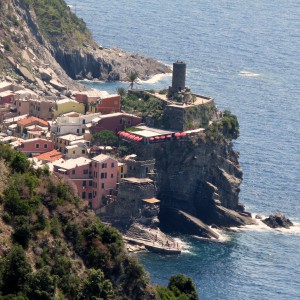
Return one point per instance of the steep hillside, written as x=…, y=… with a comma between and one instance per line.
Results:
x=44, y=43
x=53, y=246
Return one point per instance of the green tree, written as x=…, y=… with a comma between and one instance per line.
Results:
x=121, y=91
x=180, y=284
x=14, y=204
x=22, y=234
x=105, y=138
x=42, y=285
x=16, y=270
x=20, y=163
x=96, y=286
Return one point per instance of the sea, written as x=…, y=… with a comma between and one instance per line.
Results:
x=246, y=55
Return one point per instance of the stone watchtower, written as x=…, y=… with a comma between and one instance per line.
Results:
x=178, y=91
x=178, y=79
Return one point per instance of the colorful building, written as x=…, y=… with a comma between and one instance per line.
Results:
x=50, y=156
x=67, y=105
x=34, y=147
x=62, y=141
x=99, y=101
x=94, y=178
x=114, y=122
x=23, y=124
x=7, y=97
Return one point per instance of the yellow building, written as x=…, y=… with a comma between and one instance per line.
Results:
x=67, y=105
x=122, y=171
x=77, y=150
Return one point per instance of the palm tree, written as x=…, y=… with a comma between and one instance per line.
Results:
x=133, y=76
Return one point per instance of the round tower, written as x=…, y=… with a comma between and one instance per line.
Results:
x=178, y=79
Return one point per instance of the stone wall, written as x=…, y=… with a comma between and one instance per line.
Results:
x=181, y=118
x=128, y=205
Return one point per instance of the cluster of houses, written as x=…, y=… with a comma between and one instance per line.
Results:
x=57, y=132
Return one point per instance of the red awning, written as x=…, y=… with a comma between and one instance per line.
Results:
x=151, y=139
x=168, y=136
x=177, y=134
x=162, y=137
x=140, y=139
x=157, y=138
x=183, y=134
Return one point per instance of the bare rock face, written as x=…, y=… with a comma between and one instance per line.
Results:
x=278, y=221
x=66, y=58
x=201, y=179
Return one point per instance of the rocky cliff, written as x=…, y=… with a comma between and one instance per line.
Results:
x=197, y=178
x=45, y=37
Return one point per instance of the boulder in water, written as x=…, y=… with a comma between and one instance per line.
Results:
x=278, y=221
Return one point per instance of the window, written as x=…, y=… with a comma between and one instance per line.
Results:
x=90, y=183
x=83, y=195
x=103, y=175
x=83, y=130
x=83, y=121
x=73, y=151
x=45, y=146
x=86, y=171
x=112, y=165
x=104, y=166
x=73, y=172
x=77, y=130
x=102, y=185
x=95, y=174
x=122, y=170
x=90, y=195
x=111, y=175
x=83, y=151
x=84, y=183
x=37, y=146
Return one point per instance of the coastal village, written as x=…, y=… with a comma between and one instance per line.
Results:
x=58, y=133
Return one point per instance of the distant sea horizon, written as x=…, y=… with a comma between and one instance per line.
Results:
x=245, y=54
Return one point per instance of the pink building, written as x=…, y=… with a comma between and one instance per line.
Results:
x=115, y=122
x=94, y=178
x=34, y=147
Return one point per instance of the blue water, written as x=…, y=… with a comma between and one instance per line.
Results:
x=219, y=39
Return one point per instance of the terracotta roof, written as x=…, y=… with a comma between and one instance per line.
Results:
x=31, y=120
x=50, y=156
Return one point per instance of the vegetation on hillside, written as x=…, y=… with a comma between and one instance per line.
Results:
x=58, y=248
x=144, y=106
x=59, y=25
x=227, y=128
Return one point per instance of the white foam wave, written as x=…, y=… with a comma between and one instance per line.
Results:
x=154, y=79
x=249, y=74
x=262, y=227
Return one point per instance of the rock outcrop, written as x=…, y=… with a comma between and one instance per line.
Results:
x=199, y=178
x=38, y=45
x=278, y=221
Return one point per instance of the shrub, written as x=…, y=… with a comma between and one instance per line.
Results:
x=16, y=270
